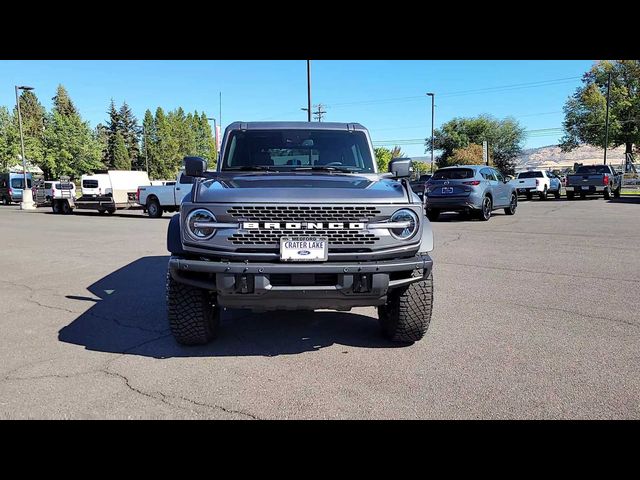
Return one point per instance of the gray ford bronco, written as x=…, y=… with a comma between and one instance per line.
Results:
x=296, y=217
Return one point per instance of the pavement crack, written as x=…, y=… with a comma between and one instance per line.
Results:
x=449, y=242
x=554, y=274
x=573, y=312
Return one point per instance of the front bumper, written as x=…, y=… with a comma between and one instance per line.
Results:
x=300, y=286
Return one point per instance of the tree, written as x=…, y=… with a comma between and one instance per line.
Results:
x=505, y=138
x=585, y=110
x=33, y=124
x=62, y=102
x=469, y=155
x=112, y=129
x=420, y=167
x=130, y=131
x=383, y=157
x=121, y=160
x=9, y=141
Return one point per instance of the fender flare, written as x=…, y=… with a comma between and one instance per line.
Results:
x=174, y=242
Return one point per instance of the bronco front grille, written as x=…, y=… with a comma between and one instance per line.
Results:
x=255, y=213
x=335, y=237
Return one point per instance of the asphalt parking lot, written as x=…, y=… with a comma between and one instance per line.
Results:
x=536, y=316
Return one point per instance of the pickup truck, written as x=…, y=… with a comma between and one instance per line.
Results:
x=419, y=185
x=539, y=182
x=297, y=217
x=594, y=179
x=157, y=199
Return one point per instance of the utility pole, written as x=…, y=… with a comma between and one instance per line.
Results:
x=27, y=197
x=308, y=91
x=320, y=112
x=606, y=128
x=433, y=113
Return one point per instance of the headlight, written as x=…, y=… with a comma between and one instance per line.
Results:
x=409, y=217
x=196, y=224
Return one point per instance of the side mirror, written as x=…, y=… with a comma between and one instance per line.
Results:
x=195, y=166
x=401, y=167
x=508, y=178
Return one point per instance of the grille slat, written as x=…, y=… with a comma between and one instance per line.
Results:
x=272, y=237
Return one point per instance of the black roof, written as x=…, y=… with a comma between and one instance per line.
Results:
x=294, y=126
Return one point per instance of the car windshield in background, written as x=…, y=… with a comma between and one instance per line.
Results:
x=19, y=183
x=530, y=175
x=593, y=170
x=453, y=174
x=288, y=150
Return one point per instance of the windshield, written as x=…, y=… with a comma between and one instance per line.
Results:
x=287, y=150
x=453, y=174
x=596, y=169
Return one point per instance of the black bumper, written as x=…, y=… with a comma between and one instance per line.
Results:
x=299, y=286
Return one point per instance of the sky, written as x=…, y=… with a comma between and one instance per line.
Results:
x=388, y=97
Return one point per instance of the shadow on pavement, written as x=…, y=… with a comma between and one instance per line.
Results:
x=626, y=199
x=129, y=316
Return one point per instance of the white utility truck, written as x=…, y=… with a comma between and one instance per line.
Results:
x=157, y=199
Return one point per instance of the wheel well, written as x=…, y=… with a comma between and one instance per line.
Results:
x=151, y=198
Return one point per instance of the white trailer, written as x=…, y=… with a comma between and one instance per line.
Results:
x=111, y=191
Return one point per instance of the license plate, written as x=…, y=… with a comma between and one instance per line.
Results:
x=584, y=187
x=447, y=189
x=304, y=249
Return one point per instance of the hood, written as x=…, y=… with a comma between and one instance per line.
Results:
x=300, y=188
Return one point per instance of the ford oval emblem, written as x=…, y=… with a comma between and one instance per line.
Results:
x=304, y=252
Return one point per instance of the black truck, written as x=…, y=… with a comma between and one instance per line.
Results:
x=594, y=179
x=296, y=217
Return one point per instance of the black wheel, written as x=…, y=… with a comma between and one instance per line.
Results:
x=65, y=208
x=616, y=192
x=111, y=211
x=607, y=192
x=193, y=317
x=55, y=206
x=485, y=212
x=583, y=195
x=6, y=201
x=102, y=211
x=558, y=192
x=529, y=195
x=406, y=315
x=570, y=195
x=543, y=194
x=433, y=214
x=153, y=208
x=513, y=204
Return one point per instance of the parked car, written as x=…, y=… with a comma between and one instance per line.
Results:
x=594, y=179
x=420, y=184
x=157, y=199
x=11, y=185
x=539, y=182
x=471, y=189
x=297, y=217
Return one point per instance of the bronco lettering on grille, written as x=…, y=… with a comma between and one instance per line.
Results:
x=303, y=225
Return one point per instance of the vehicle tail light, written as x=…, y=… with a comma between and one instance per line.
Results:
x=605, y=179
x=10, y=191
x=138, y=195
x=473, y=182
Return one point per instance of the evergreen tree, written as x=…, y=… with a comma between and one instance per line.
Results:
x=62, y=102
x=128, y=127
x=149, y=140
x=113, y=127
x=121, y=160
x=33, y=115
x=9, y=140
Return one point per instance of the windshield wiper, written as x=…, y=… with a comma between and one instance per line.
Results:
x=252, y=168
x=327, y=168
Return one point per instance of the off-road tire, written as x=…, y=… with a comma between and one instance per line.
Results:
x=193, y=317
x=153, y=209
x=571, y=195
x=433, y=214
x=513, y=204
x=406, y=315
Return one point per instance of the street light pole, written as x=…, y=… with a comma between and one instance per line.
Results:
x=308, y=91
x=27, y=197
x=606, y=128
x=433, y=112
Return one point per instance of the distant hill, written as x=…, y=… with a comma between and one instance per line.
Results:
x=552, y=157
